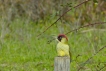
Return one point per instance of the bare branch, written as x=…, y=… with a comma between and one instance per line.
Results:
x=62, y=16
x=91, y=57
x=85, y=26
x=102, y=68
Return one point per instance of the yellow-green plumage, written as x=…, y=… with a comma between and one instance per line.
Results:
x=63, y=48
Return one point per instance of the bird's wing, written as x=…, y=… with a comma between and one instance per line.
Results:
x=70, y=52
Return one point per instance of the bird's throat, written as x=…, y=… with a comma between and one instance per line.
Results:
x=64, y=41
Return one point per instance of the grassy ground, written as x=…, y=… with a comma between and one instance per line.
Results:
x=21, y=50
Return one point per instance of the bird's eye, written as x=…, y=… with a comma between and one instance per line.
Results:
x=59, y=38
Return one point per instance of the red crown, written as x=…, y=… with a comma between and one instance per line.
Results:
x=63, y=36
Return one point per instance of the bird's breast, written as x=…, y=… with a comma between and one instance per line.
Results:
x=62, y=49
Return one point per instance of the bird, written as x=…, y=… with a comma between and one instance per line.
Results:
x=63, y=48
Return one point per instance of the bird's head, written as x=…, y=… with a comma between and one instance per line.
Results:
x=62, y=38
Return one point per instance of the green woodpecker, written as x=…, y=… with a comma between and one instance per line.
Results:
x=62, y=46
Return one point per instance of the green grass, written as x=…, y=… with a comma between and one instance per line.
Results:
x=21, y=50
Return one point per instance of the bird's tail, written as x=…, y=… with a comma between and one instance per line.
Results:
x=70, y=56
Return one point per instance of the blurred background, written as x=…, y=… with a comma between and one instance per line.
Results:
x=22, y=20
x=39, y=11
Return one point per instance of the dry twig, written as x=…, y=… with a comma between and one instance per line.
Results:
x=91, y=58
x=62, y=16
x=85, y=26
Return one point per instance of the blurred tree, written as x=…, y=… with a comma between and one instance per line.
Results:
x=40, y=9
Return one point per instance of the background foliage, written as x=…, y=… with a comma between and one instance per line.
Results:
x=22, y=20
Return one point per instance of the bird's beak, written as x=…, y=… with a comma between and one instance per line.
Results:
x=55, y=38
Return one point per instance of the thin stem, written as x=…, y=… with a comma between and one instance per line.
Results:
x=62, y=16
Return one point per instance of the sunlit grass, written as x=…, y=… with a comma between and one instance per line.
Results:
x=22, y=51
